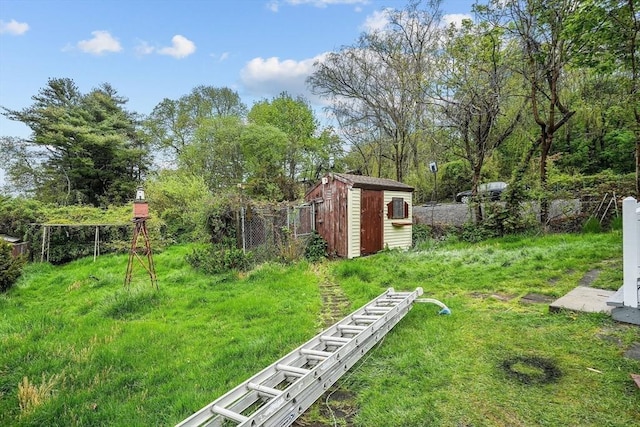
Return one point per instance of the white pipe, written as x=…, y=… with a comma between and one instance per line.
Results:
x=445, y=309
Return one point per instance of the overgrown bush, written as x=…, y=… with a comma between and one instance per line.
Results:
x=316, y=248
x=10, y=267
x=420, y=233
x=592, y=187
x=215, y=259
x=180, y=201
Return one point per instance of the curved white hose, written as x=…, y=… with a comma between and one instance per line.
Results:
x=445, y=309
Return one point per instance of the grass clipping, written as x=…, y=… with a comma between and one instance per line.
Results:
x=31, y=395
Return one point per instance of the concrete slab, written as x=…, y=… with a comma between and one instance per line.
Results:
x=584, y=299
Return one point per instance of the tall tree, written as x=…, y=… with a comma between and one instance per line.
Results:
x=383, y=80
x=295, y=118
x=540, y=28
x=216, y=153
x=608, y=32
x=172, y=125
x=88, y=147
x=481, y=96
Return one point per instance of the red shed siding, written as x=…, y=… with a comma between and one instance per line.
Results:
x=334, y=214
x=331, y=214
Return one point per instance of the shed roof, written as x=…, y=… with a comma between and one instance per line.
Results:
x=371, y=183
x=9, y=239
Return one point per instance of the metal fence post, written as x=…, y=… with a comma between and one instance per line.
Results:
x=244, y=239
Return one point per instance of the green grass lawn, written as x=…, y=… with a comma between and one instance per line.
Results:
x=79, y=349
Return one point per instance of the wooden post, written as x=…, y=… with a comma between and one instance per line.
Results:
x=631, y=250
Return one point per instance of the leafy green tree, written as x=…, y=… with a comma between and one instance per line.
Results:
x=539, y=27
x=608, y=32
x=478, y=87
x=264, y=147
x=216, y=153
x=295, y=118
x=83, y=148
x=174, y=124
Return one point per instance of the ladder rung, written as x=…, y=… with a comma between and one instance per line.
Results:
x=382, y=301
x=337, y=340
x=309, y=370
x=229, y=414
x=399, y=295
x=315, y=354
x=364, y=318
x=293, y=370
x=377, y=310
x=273, y=392
x=351, y=329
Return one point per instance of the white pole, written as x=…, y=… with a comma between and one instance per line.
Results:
x=631, y=251
x=95, y=245
x=44, y=241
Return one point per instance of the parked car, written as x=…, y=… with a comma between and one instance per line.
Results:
x=491, y=191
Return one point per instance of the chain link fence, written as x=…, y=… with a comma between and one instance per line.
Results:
x=272, y=232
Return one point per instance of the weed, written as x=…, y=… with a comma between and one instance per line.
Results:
x=592, y=226
x=31, y=395
x=316, y=248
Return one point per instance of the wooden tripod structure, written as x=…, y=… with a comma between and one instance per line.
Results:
x=140, y=229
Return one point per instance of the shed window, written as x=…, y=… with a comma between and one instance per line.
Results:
x=397, y=208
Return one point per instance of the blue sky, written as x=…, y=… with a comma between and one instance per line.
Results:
x=154, y=49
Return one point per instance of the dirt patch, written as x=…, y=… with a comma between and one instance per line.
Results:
x=633, y=352
x=532, y=370
x=336, y=407
x=497, y=296
x=589, y=277
x=532, y=298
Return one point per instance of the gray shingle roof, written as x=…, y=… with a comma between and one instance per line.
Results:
x=369, y=182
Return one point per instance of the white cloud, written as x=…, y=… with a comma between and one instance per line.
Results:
x=271, y=76
x=13, y=27
x=455, y=18
x=101, y=42
x=376, y=21
x=181, y=47
x=274, y=5
x=144, y=48
x=224, y=56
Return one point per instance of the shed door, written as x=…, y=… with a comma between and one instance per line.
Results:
x=371, y=209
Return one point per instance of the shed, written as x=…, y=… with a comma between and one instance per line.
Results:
x=360, y=215
x=18, y=247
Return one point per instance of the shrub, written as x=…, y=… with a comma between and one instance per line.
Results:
x=180, y=201
x=592, y=225
x=420, y=233
x=215, y=259
x=316, y=248
x=10, y=267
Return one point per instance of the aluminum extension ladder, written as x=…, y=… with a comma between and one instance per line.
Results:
x=276, y=396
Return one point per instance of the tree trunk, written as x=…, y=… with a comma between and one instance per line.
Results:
x=544, y=201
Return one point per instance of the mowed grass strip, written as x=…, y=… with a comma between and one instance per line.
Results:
x=79, y=349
